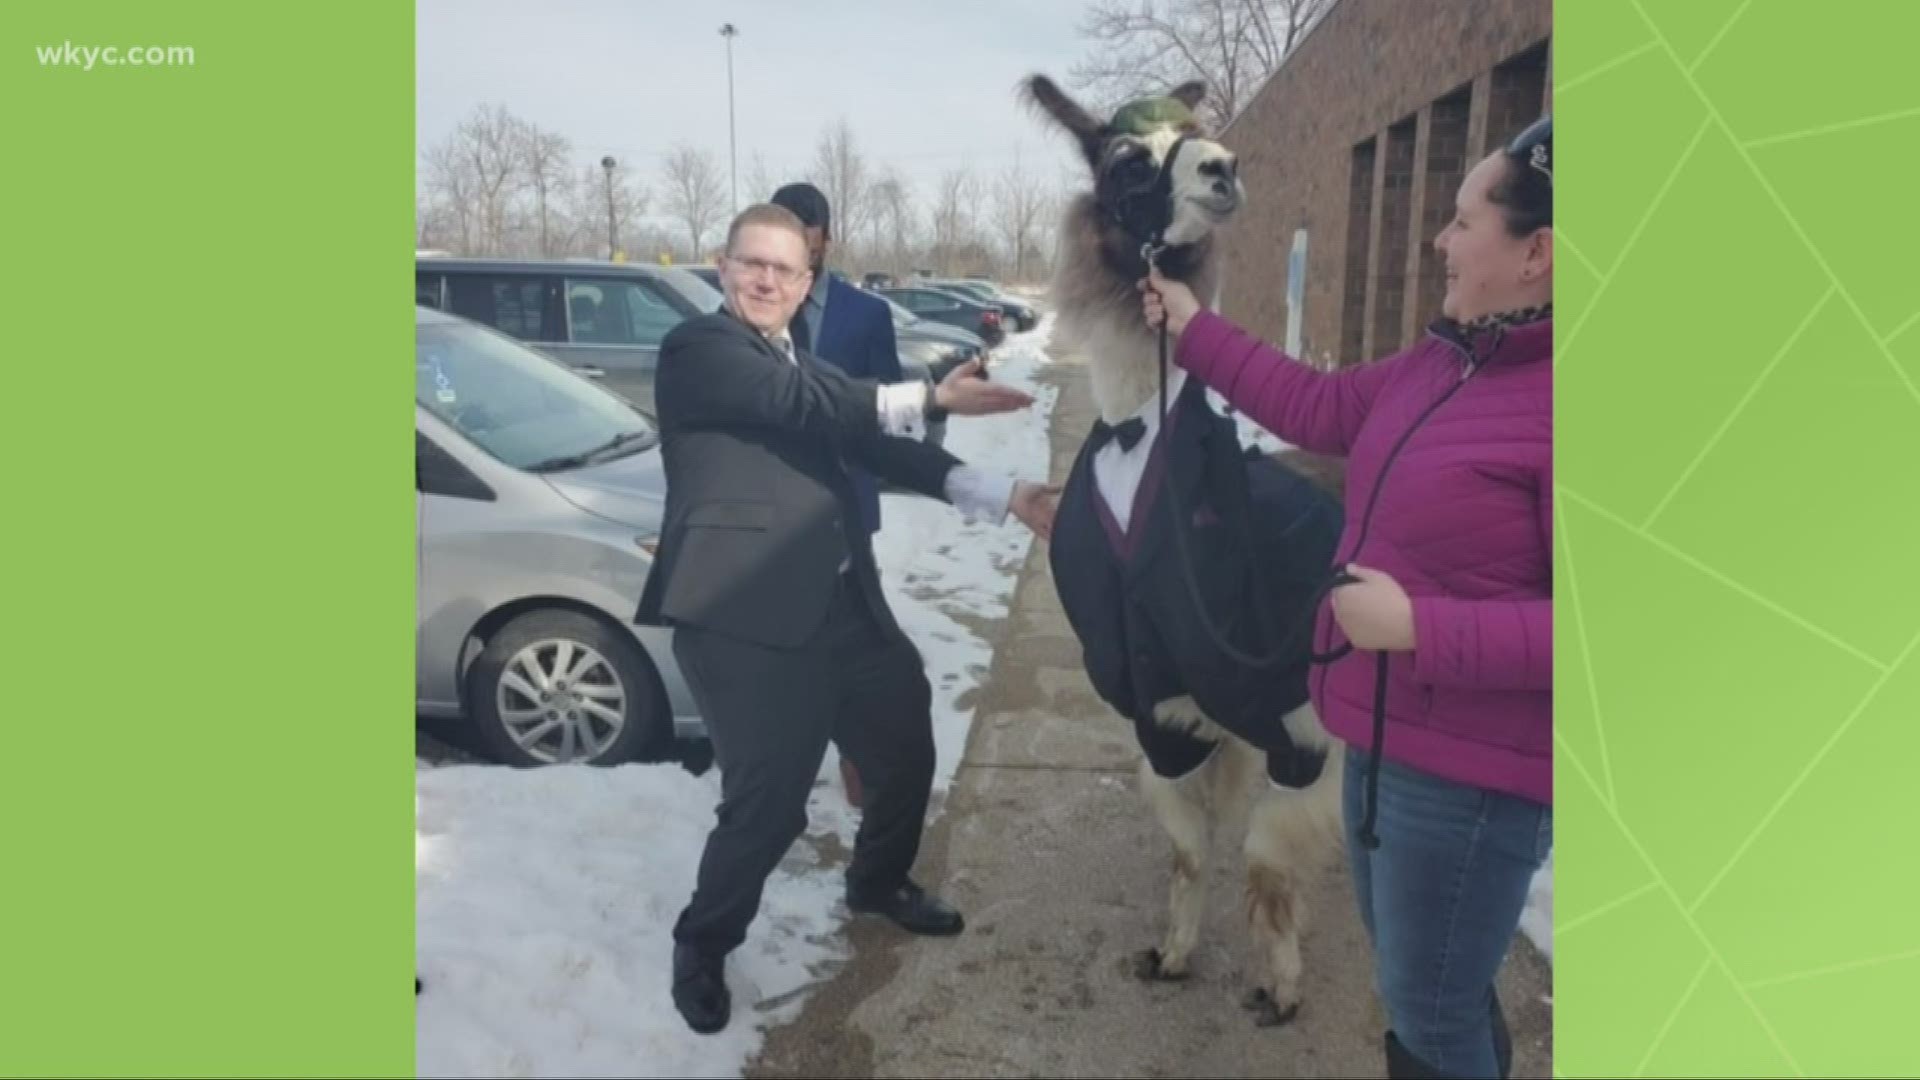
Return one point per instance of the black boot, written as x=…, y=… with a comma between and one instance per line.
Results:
x=1402, y=1064
x=1502, y=1040
x=700, y=990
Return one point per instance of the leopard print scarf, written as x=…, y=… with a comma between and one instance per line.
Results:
x=1481, y=336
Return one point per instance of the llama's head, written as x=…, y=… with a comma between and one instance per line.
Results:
x=1157, y=175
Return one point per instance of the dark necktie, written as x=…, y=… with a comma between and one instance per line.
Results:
x=1129, y=432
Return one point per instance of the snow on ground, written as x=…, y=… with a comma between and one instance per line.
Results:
x=546, y=897
x=1537, y=920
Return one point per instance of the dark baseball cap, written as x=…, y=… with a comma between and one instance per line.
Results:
x=807, y=203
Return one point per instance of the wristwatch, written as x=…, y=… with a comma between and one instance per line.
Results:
x=931, y=409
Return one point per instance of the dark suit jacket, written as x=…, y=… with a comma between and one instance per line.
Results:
x=858, y=338
x=760, y=509
x=1127, y=595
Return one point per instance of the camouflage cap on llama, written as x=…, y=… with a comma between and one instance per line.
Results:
x=1143, y=115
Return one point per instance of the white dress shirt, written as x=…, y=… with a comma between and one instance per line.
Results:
x=977, y=494
x=1117, y=471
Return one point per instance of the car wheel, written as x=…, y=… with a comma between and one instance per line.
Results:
x=556, y=687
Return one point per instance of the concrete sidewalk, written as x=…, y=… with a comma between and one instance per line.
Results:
x=1056, y=861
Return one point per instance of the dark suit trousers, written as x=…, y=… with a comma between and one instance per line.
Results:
x=770, y=714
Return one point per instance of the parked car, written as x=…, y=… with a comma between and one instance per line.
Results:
x=538, y=501
x=940, y=346
x=1022, y=313
x=605, y=320
x=954, y=309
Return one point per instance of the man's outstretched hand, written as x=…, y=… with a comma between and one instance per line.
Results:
x=1035, y=504
x=964, y=393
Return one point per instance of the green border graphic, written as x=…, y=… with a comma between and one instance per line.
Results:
x=1738, y=533
x=206, y=791
x=207, y=591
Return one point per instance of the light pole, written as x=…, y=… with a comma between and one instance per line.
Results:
x=733, y=168
x=613, y=247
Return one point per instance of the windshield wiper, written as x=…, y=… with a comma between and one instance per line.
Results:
x=585, y=457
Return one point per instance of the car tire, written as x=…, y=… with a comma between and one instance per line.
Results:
x=611, y=678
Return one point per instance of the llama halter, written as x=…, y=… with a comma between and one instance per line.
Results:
x=1145, y=211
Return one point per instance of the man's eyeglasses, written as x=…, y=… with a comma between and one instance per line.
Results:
x=1535, y=146
x=780, y=272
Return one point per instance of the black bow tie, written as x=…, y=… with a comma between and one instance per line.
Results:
x=1128, y=431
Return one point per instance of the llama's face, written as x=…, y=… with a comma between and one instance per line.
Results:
x=1133, y=182
x=1200, y=192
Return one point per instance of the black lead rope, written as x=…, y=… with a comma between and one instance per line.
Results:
x=1158, y=194
x=1333, y=581
x=1368, y=837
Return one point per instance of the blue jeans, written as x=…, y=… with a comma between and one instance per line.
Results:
x=1441, y=899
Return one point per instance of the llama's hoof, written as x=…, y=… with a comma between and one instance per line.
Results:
x=1150, y=966
x=1267, y=1011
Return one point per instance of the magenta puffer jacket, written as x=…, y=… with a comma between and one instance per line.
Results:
x=1449, y=448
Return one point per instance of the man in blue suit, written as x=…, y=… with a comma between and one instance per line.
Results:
x=851, y=329
x=840, y=323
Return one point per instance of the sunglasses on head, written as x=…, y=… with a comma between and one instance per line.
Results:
x=1535, y=146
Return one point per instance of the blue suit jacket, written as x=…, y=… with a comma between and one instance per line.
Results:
x=858, y=339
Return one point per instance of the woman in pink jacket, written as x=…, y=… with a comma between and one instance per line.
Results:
x=1445, y=700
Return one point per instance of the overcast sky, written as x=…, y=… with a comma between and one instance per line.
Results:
x=926, y=85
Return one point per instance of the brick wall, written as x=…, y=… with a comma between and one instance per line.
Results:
x=1361, y=139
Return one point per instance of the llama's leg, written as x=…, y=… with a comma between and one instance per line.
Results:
x=1289, y=831
x=1185, y=806
x=1180, y=807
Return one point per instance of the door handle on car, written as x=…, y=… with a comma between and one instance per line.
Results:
x=590, y=371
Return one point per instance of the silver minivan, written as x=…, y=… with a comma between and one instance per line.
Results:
x=539, y=497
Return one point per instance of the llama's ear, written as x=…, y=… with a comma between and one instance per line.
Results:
x=1088, y=132
x=1190, y=93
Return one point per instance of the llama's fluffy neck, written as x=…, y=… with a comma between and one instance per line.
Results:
x=1099, y=311
x=1124, y=368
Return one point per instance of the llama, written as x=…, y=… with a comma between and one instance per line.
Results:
x=1263, y=531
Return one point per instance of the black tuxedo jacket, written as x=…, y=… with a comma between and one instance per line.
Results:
x=761, y=510
x=1129, y=601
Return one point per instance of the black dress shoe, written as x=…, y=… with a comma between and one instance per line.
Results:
x=910, y=906
x=700, y=990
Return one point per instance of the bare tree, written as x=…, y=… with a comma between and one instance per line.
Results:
x=694, y=194
x=842, y=175
x=953, y=220
x=484, y=157
x=762, y=182
x=588, y=195
x=894, y=226
x=1144, y=47
x=448, y=212
x=1020, y=198
x=548, y=161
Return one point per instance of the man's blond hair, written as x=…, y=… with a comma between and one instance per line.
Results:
x=766, y=214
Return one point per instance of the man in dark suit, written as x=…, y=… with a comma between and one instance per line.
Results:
x=849, y=328
x=768, y=578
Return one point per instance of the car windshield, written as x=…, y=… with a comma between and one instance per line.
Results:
x=517, y=405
